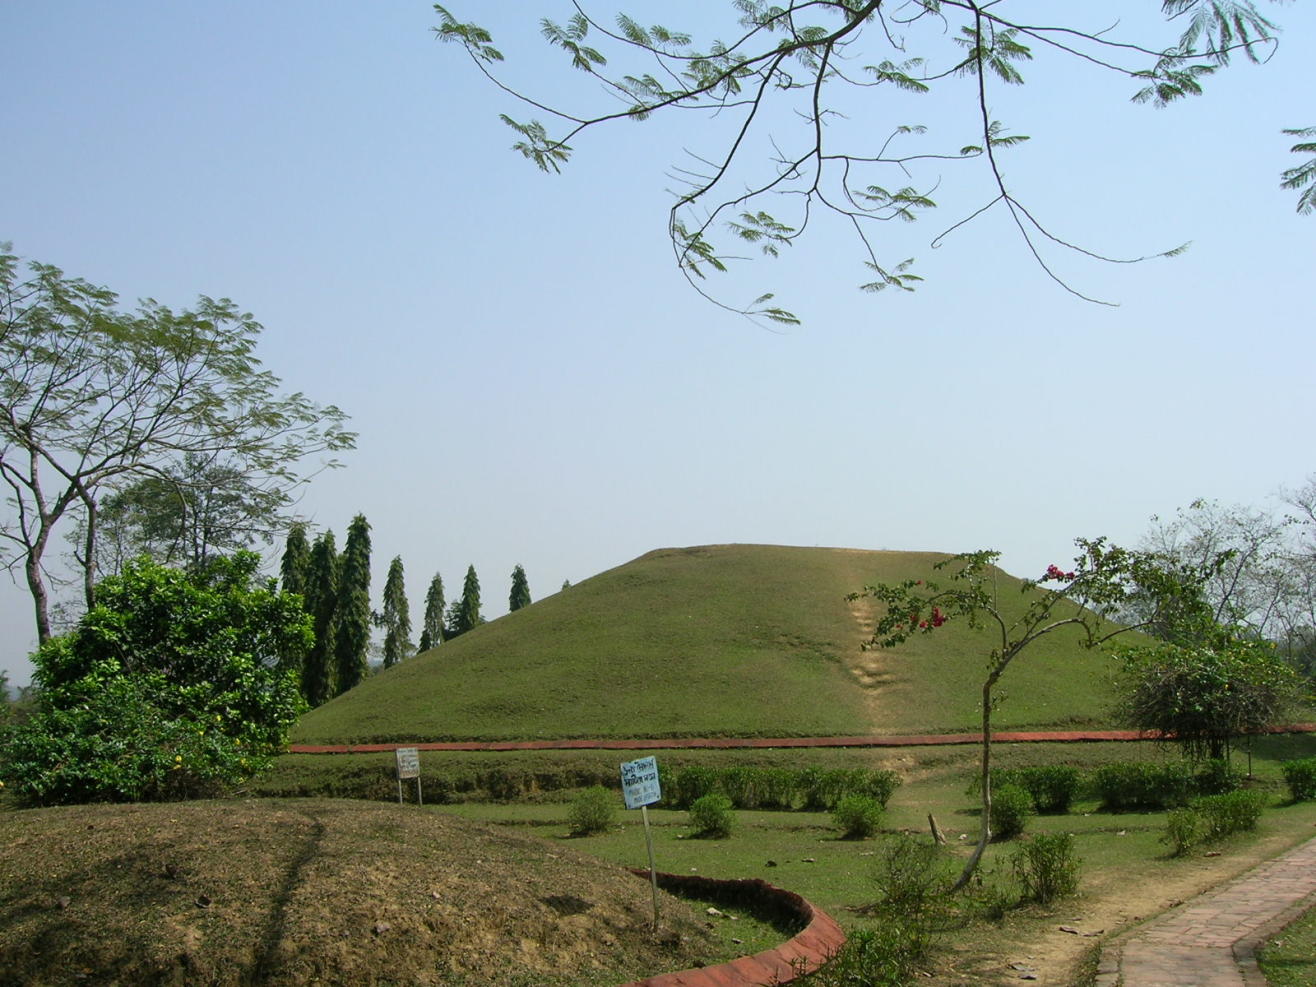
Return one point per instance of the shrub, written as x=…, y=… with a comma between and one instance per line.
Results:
x=689, y=785
x=1011, y=806
x=1052, y=787
x=812, y=785
x=1136, y=786
x=857, y=816
x=1215, y=777
x=1046, y=867
x=592, y=811
x=1212, y=817
x=911, y=876
x=881, y=957
x=1183, y=830
x=1300, y=776
x=1232, y=812
x=743, y=785
x=777, y=788
x=711, y=816
x=879, y=785
x=175, y=685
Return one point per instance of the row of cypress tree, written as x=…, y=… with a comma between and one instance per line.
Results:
x=335, y=589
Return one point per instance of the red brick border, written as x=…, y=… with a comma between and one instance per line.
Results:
x=809, y=949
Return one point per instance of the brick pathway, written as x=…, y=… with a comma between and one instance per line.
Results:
x=1211, y=941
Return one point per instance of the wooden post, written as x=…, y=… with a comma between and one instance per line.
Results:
x=653, y=871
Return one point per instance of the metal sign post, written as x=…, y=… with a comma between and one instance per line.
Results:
x=640, y=787
x=409, y=767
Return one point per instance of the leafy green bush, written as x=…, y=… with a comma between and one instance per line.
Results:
x=777, y=787
x=857, y=816
x=742, y=784
x=592, y=811
x=1046, y=867
x=881, y=957
x=711, y=816
x=1052, y=787
x=1011, y=807
x=1231, y=812
x=1300, y=776
x=1215, y=777
x=878, y=785
x=1212, y=817
x=911, y=876
x=689, y=785
x=1183, y=830
x=175, y=685
x=1136, y=786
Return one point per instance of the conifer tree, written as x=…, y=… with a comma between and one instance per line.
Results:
x=465, y=614
x=431, y=635
x=321, y=603
x=352, y=626
x=396, y=616
x=296, y=564
x=520, y=596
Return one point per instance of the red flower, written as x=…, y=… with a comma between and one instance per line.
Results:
x=923, y=624
x=938, y=618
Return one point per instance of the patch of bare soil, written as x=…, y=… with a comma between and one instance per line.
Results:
x=1052, y=947
x=305, y=891
x=871, y=668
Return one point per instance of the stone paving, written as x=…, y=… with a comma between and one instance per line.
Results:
x=1211, y=941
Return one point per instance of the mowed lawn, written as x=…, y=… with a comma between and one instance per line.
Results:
x=732, y=640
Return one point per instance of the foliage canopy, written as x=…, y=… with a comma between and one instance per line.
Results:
x=95, y=401
x=176, y=684
x=806, y=100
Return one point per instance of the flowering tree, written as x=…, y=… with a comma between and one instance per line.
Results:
x=1086, y=597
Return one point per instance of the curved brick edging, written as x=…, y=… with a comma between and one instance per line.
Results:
x=809, y=949
x=690, y=743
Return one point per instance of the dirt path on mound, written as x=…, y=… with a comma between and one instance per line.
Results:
x=871, y=668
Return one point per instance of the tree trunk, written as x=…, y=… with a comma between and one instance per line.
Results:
x=36, y=584
x=985, y=825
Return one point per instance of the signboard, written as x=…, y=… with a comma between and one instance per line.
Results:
x=408, y=762
x=639, y=782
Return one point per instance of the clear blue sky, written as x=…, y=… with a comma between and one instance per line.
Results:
x=532, y=380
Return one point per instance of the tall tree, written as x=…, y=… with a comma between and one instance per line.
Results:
x=1204, y=696
x=294, y=570
x=520, y=595
x=322, y=578
x=845, y=72
x=192, y=510
x=1085, y=599
x=465, y=613
x=396, y=616
x=352, y=626
x=431, y=634
x=94, y=399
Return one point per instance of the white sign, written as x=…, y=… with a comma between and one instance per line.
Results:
x=639, y=782
x=408, y=762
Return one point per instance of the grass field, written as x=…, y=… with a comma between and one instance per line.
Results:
x=736, y=640
x=1127, y=870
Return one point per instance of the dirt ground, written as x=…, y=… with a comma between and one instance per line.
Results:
x=310, y=891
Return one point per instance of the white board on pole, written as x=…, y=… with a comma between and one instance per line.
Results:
x=639, y=782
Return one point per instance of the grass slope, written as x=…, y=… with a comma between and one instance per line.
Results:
x=731, y=640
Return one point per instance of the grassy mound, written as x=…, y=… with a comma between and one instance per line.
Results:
x=308, y=891
x=732, y=640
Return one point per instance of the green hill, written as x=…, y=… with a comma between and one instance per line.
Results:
x=728, y=640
